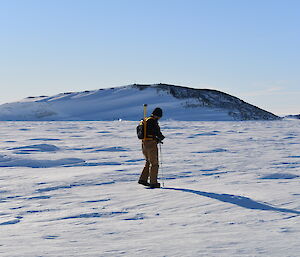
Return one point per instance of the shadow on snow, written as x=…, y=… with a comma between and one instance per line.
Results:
x=241, y=201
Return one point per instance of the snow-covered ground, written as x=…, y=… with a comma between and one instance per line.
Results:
x=70, y=189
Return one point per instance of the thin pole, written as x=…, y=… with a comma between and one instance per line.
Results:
x=161, y=166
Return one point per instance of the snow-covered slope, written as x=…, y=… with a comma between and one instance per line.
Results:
x=178, y=103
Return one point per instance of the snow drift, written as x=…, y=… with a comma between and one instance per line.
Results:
x=178, y=103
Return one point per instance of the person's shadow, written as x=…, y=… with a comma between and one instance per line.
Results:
x=241, y=201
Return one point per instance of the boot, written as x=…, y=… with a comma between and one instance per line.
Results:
x=156, y=185
x=143, y=182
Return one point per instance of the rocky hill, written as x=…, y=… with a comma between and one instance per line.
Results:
x=178, y=103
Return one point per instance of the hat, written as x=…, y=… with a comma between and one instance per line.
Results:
x=157, y=112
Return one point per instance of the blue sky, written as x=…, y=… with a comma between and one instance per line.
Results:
x=247, y=48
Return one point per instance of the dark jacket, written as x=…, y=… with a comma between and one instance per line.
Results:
x=153, y=129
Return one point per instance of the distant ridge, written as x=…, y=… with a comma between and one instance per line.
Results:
x=297, y=117
x=178, y=103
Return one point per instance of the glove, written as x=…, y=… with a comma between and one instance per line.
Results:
x=159, y=141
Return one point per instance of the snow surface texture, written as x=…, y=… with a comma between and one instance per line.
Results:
x=70, y=189
x=178, y=103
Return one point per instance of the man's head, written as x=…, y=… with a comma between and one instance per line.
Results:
x=157, y=112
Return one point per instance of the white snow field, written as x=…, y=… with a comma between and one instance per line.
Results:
x=70, y=189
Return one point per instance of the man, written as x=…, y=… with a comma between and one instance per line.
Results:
x=152, y=137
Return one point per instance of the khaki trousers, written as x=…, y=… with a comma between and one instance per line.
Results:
x=150, y=152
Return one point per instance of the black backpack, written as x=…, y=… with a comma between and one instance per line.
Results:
x=140, y=130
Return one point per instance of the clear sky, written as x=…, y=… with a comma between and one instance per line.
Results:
x=247, y=48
